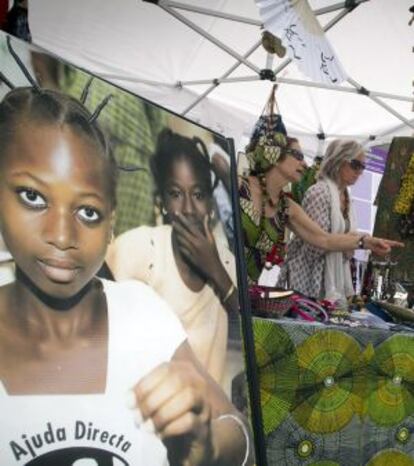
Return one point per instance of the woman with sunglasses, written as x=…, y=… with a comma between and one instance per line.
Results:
x=312, y=270
x=267, y=211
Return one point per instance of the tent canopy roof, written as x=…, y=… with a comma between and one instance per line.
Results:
x=145, y=48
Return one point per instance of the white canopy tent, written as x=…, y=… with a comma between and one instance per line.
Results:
x=174, y=52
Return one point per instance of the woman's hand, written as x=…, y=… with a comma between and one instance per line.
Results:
x=380, y=246
x=172, y=400
x=312, y=233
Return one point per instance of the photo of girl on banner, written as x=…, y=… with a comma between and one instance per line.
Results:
x=181, y=259
x=95, y=371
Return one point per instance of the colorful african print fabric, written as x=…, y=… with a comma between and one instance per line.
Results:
x=265, y=152
x=261, y=234
x=335, y=396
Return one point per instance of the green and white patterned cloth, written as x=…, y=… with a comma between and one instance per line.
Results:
x=335, y=396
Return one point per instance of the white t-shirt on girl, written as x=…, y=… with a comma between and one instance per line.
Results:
x=93, y=430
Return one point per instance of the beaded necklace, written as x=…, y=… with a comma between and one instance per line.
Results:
x=277, y=252
x=346, y=205
x=266, y=199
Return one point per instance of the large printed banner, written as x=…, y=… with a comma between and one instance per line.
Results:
x=64, y=378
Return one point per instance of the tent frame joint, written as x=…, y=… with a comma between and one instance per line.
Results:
x=351, y=5
x=267, y=74
x=363, y=90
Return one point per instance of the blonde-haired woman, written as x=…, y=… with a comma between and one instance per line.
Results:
x=266, y=210
x=313, y=271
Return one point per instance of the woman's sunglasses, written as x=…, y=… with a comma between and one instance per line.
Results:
x=357, y=165
x=297, y=154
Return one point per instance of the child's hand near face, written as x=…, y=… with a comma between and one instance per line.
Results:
x=174, y=398
x=197, y=246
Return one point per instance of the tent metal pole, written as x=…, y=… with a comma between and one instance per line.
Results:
x=216, y=82
x=333, y=135
x=380, y=103
x=321, y=132
x=338, y=6
x=212, y=39
x=385, y=133
x=199, y=82
x=165, y=4
x=208, y=12
x=243, y=19
x=351, y=90
x=269, y=61
x=394, y=128
x=300, y=82
x=385, y=95
x=111, y=77
x=359, y=89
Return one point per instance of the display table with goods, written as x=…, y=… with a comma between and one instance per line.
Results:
x=337, y=382
x=337, y=379
x=336, y=394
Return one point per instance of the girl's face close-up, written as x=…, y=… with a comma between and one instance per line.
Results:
x=351, y=170
x=186, y=194
x=55, y=207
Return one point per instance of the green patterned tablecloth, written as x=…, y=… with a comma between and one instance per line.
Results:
x=335, y=395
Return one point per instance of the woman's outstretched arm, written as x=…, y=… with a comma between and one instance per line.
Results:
x=312, y=233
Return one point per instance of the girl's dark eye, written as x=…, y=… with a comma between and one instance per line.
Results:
x=32, y=198
x=199, y=195
x=174, y=193
x=89, y=214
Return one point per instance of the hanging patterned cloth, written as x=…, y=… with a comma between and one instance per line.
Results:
x=264, y=236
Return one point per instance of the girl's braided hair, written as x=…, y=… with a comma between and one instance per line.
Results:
x=51, y=107
x=172, y=147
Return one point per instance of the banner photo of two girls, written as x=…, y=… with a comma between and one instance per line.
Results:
x=120, y=336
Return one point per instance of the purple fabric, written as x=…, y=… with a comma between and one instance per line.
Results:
x=363, y=187
x=363, y=214
x=377, y=163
